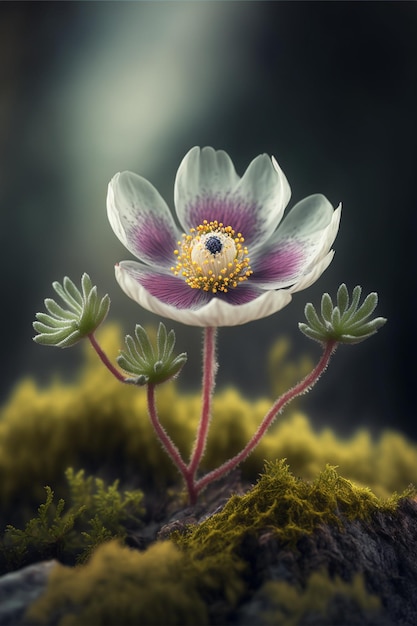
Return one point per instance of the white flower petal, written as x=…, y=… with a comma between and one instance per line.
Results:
x=216, y=313
x=310, y=277
x=208, y=188
x=310, y=215
x=330, y=233
x=265, y=185
x=202, y=172
x=284, y=261
x=141, y=219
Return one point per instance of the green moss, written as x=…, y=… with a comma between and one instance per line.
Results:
x=95, y=513
x=329, y=600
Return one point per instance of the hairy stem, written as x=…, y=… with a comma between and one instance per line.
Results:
x=105, y=360
x=169, y=445
x=209, y=375
x=303, y=386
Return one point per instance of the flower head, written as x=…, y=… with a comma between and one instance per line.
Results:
x=234, y=259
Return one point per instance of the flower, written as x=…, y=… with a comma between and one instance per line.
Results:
x=234, y=259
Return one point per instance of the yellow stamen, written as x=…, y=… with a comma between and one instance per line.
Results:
x=212, y=257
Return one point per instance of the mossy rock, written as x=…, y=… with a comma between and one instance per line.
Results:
x=288, y=552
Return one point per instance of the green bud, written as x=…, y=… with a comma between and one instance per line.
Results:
x=347, y=322
x=151, y=364
x=63, y=327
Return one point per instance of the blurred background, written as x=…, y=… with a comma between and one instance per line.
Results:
x=330, y=88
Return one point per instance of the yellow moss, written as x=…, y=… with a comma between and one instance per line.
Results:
x=122, y=586
x=290, y=606
x=284, y=505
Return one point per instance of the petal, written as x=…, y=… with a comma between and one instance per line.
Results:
x=309, y=216
x=208, y=188
x=140, y=283
x=141, y=219
x=202, y=172
x=315, y=272
x=266, y=186
x=219, y=313
x=302, y=240
x=330, y=232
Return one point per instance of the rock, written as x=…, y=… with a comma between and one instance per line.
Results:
x=353, y=568
x=19, y=589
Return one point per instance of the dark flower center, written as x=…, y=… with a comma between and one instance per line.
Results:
x=213, y=245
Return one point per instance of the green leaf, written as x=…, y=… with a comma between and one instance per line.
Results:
x=326, y=307
x=335, y=317
x=48, y=320
x=87, y=286
x=367, y=308
x=169, y=344
x=342, y=298
x=57, y=311
x=68, y=297
x=72, y=291
x=51, y=338
x=312, y=317
x=144, y=342
x=356, y=294
x=161, y=339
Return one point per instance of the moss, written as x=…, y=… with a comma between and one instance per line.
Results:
x=326, y=601
x=286, y=506
x=121, y=586
x=94, y=513
x=183, y=580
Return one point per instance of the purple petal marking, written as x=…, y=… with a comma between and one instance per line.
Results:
x=154, y=241
x=242, y=294
x=170, y=289
x=175, y=291
x=282, y=264
x=232, y=211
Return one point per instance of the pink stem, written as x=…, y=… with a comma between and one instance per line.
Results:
x=169, y=445
x=209, y=374
x=104, y=359
x=303, y=386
